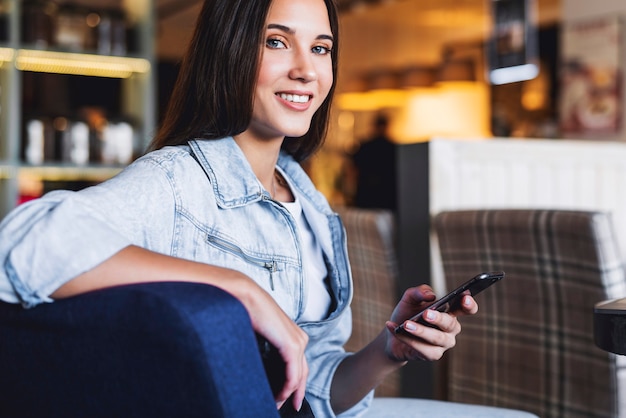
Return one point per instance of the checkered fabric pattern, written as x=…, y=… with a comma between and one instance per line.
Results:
x=371, y=249
x=531, y=345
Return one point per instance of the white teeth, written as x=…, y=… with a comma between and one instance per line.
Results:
x=294, y=98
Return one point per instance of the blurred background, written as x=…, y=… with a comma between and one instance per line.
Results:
x=425, y=64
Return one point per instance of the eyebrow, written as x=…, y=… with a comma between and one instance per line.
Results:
x=288, y=30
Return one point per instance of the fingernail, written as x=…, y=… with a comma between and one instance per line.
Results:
x=431, y=315
x=410, y=326
x=467, y=302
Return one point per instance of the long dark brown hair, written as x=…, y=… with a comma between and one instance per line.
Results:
x=214, y=92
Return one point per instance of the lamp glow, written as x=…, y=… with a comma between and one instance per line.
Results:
x=448, y=110
x=372, y=100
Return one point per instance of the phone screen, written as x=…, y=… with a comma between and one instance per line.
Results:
x=452, y=301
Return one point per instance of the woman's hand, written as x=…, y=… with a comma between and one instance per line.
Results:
x=269, y=320
x=423, y=342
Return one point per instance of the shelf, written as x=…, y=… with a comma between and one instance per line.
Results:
x=53, y=172
x=69, y=173
x=23, y=60
x=74, y=63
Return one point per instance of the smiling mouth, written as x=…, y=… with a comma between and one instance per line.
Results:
x=294, y=98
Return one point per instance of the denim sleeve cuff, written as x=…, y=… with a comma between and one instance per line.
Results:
x=319, y=396
x=57, y=249
x=318, y=390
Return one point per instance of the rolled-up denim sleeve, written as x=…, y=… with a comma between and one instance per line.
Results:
x=49, y=241
x=54, y=239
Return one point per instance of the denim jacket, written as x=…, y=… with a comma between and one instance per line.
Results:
x=200, y=202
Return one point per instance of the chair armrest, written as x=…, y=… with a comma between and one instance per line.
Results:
x=146, y=350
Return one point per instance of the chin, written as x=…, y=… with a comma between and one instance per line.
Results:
x=298, y=134
x=299, y=131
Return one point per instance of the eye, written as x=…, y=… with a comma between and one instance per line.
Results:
x=275, y=43
x=321, y=50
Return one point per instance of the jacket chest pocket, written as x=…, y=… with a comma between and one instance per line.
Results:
x=265, y=263
x=279, y=277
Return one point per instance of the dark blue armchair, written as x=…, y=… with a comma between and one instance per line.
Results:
x=147, y=350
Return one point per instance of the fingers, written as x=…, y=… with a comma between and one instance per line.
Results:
x=413, y=300
x=271, y=322
x=468, y=307
x=296, y=370
x=295, y=387
x=429, y=342
x=418, y=295
x=298, y=395
x=433, y=335
x=444, y=322
x=421, y=343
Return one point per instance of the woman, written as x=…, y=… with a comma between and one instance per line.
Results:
x=222, y=200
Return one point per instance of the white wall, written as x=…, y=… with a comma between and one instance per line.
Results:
x=507, y=173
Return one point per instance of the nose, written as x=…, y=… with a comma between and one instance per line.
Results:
x=303, y=67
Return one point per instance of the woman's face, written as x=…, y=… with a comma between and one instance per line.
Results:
x=295, y=73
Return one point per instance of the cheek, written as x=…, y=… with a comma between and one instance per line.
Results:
x=268, y=72
x=326, y=79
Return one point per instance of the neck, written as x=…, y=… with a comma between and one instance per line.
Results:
x=262, y=156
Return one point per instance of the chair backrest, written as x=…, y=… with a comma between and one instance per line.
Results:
x=141, y=350
x=371, y=248
x=531, y=344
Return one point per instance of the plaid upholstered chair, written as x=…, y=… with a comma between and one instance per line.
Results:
x=371, y=247
x=371, y=235
x=531, y=345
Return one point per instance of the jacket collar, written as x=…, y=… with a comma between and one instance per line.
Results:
x=229, y=172
x=235, y=184
x=233, y=180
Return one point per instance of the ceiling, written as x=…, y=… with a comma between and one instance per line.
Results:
x=428, y=23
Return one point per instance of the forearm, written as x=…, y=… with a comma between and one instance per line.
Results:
x=361, y=372
x=137, y=265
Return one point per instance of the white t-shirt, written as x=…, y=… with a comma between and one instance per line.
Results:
x=317, y=298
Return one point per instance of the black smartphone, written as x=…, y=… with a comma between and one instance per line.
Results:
x=452, y=301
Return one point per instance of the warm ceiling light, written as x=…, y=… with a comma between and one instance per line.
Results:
x=80, y=64
x=371, y=100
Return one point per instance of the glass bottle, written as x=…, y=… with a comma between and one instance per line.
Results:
x=38, y=22
x=71, y=30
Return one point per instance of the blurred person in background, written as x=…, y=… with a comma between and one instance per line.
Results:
x=375, y=164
